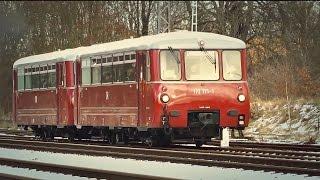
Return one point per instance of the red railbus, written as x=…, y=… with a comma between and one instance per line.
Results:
x=179, y=85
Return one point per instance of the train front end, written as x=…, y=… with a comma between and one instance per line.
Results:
x=201, y=91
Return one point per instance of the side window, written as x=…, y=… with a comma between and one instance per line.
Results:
x=28, y=78
x=35, y=80
x=107, y=69
x=129, y=67
x=96, y=70
x=43, y=77
x=170, y=66
x=21, y=72
x=118, y=73
x=51, y=75
x=231, y=61
x=86, y=71
x=122, y=73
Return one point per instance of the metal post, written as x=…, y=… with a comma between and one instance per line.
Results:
x=158, y=16
x=225, y=137
x=163, y=16
x=169, y=15
x=194, y=23
x=318, y=124
x=288, y=102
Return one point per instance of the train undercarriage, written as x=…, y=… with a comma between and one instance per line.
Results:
x=201, y=127
x=151, y=137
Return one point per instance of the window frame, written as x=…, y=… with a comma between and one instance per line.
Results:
x=218, y=64
x=51, y=65
x=131, y=61
x=107, y=60
x=107, y=64
x=239, y=50
x=35, y=72
x=87, y=65
x=96, y=59
x=43, y=72
x=23, y=75
x=28, y=73
x=180, y=58
x=118, y=62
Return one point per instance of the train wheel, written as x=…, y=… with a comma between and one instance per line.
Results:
x=151, y=142
x=70, y=137
x=105, y=135
x=43, y=135
x=79, y=138
x=50, y=135
x=117, y=138
x=114, y=138
x=46, y=134
x=37, y=133
x=198, y=143
x=69, y=133
x=165, y=141
x=125, y=139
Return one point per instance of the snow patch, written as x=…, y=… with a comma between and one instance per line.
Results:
x=271, y=122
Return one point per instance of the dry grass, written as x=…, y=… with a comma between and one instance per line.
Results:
x=6, y=124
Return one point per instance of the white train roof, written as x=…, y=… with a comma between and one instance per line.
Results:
x=176, y=40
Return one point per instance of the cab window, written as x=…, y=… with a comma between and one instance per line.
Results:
x=170, y=66
x=231, y=61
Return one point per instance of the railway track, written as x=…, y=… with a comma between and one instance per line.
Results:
x=72, y=170
x=246, y=158
x=14, y=177
x=15, y=132
x=261, y=152
x=234, y=144
x=278, y=146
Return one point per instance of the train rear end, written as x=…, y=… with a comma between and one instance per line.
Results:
x=200, y=110
x=201, y=93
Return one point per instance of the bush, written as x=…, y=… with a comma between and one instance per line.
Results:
x=282, y=79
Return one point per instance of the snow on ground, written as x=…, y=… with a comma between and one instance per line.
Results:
x=165, y=169
x=270, y=122
x=32, y=173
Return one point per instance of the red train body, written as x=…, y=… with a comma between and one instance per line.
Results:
x=181, y=85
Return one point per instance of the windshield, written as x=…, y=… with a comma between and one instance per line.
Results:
x=170, y=67
x=201, y=67
x=231, y=65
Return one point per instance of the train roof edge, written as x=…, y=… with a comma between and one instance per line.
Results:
x=176, y=40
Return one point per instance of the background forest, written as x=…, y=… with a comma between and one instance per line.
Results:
x=283, y=38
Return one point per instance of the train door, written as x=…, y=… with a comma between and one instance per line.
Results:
x=59, y=85
x=141, y=69
x=77, y=90
x=15, y=94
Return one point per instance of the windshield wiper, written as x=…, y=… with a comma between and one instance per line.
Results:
x=172, y=53
x=210, y=58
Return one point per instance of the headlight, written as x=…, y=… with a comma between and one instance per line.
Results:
x=165, y=98
x=241, y=98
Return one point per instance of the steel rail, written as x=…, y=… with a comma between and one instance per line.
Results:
x=231, y=150
x=253, y=152
x=14, y=177
x=292, y=147
x=77, y=171
x=207, y=159
x=15, y=132
x=289, y=154
x=278, y=146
